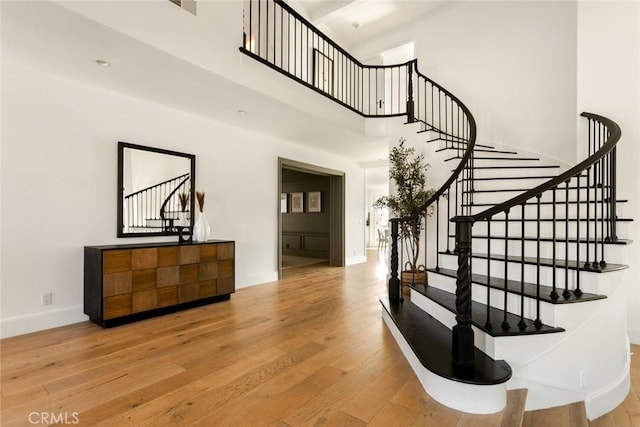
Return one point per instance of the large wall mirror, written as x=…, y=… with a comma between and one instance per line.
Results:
x=155, y=190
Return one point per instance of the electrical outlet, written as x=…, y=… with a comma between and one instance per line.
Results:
x=46, y=298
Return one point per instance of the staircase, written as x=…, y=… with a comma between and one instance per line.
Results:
x=524, y=257
x=530, y=283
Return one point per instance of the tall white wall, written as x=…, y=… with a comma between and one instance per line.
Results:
x=513, y=64
x=609, y=84
x=58, y=183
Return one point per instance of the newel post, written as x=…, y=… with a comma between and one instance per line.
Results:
x=394, y=282
x=463, y=347
x=410, y=107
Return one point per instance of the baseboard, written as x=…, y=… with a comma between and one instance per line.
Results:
x=634, y=336
x=608, y=399
x=356, y=260
x=21, y=325
x=258, y=279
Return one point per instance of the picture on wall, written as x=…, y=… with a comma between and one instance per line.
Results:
x=283, y=203
x=322, y=72
x=297, y=205
x=314, y=201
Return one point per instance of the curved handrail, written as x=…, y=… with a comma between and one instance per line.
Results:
x=614, y=136
x=465, y=158
x=154, y=186
x=175, y=190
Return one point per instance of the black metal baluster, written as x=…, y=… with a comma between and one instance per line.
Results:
x=487, y=323
x=566, y=294
x=588, y=223
x=613, y=236
x=505, y=323
x=554, y=241
x=521, y=324
x=448, y=219
x=577, y=291
x=537, y=322
x=438, y=234
x=602, y=197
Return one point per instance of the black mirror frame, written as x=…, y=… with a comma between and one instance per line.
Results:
x=120, y=218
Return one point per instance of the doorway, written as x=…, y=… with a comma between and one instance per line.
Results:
x=311, y=214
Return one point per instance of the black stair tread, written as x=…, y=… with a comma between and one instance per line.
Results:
x=479, y=315
x=430, y=341
x=549, y=239
x=505, y=158
x=558, y=189
x=544, y=203
x=476, y=150
x=558, y=220
x=499, y=178
x=496, y=158
x=514, y=287
x=548, y=262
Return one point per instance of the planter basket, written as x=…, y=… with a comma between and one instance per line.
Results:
x=413, y=277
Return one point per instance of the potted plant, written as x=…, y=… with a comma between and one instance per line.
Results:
x=408, y=170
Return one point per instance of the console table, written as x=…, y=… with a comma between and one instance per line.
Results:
x=125, y=283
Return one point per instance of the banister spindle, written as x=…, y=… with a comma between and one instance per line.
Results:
x=566, y=294
x=487, y=323
x=577, y=291
x=537, y=322
x=554, y=293
x=521, y=324
x=505, y=322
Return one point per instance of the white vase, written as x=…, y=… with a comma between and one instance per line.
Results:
x=201, y=229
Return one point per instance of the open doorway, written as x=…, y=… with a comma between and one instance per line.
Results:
x=311, y=215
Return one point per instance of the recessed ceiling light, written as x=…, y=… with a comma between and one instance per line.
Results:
x=242, y=112
x=356, y=25
x=103, y=63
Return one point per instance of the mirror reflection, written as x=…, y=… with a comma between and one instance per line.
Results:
x=156, y=189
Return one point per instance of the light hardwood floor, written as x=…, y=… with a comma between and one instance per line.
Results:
x=309, y=350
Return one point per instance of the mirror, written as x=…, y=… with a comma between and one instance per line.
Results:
x=156, y=190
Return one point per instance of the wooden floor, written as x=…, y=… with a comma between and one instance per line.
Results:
x=309, y=350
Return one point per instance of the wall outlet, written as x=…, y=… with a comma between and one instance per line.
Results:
x=46, y=298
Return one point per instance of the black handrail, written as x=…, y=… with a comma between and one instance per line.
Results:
x=168, y=199
x=151, y=187
x=614, y=136
x=465, y=158
x=282, y=39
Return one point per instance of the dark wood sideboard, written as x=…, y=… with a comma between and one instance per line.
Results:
x=125, y=283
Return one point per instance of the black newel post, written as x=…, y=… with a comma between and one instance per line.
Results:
x=410, y=108
x=394, y=282
x=463, y=347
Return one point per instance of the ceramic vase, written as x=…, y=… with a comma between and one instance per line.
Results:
x=201, y=229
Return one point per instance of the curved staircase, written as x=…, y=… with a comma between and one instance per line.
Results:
x=525, y=257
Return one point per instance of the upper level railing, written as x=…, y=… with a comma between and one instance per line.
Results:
x=281, y=38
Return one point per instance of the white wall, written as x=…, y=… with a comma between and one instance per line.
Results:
x=59, y=188
x=609, y=85
x=513, y=64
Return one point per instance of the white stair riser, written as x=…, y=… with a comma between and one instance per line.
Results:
x=612, y=253
x=479, y=294
x=511, y=172
x=547, y=228
x=546, y=211
x=589, y=282
x=547, y=196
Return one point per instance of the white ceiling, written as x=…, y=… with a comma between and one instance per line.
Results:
x=353, y=22
x=53, y=39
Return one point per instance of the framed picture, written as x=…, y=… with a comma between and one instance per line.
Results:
x=314, y=201
x=322, y=72
x=297, y=205
x=283, y=203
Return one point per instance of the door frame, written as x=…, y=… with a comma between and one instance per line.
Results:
x=336, y=209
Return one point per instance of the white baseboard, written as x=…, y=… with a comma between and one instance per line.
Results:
x=21, y=325
x=634, y=336
x=259, y=279
x=356, y=260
